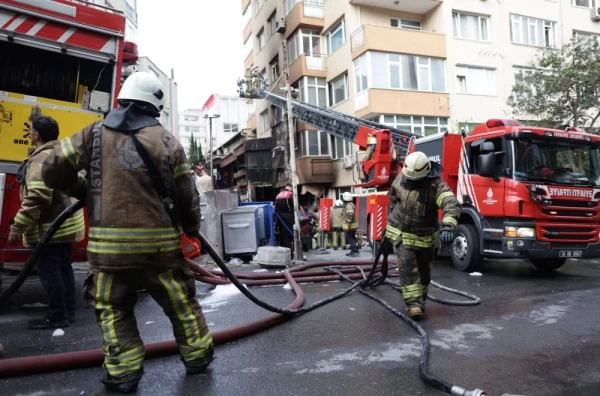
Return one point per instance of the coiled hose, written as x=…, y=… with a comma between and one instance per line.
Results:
x=366, y=281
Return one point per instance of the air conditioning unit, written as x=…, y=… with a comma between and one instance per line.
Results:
x=348, y=162
x=280, y=25
x=248, y=132
x=595, y=14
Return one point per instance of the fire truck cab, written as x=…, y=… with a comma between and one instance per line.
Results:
x=527, y=193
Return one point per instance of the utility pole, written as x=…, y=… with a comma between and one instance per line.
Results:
x=292, y=139
x=210, y=145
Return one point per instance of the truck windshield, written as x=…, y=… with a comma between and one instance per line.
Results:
x=561, y=162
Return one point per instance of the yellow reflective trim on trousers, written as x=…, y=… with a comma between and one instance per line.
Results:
x=133, y=247
x=450, y=220
x=181, y=170
x=412, y=291
x=37, y=185
x=132, y=234
x=68, y=151
x=22, y=218
x=106, y=317
x=197, y=351
x=130, y=361
x=443, y=196
x=182, y=308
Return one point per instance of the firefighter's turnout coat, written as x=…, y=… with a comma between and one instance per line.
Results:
x=41, y=205
x=128, y=223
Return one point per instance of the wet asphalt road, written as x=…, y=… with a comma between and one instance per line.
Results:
x=533, y=334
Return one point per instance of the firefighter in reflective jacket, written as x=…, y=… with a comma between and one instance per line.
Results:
x=133, y=243
x=412, y=227
x=350, y=225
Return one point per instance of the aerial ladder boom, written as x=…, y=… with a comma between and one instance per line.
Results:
x=381, y=167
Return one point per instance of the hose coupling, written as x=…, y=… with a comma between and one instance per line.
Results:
x=458, y=391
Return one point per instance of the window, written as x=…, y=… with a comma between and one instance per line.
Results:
x=583, y=3
x=275, y=72
x=313, y=90
x=195, y=129
x=336, y=37
x=338, y=90
x=473, y=153
x=304, y=41
x=339, y=192
x=408, y=72
x=418, y=125
x=191, y=118
x=314, y=143
x=187, y=129
x=288, y=5
x=532, y=31
x=475, y=80
x=264, y=116
x=259, y=4
x=273, y=22
x=406, y=24
x=360, y=73
x=472, y=27
x=583, y=36
x=261, y=38
x=230, y=128
x=340, y=148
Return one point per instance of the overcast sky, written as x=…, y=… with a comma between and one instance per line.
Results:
x=200, y=39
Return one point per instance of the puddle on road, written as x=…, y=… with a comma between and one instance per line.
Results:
x=457, y=337
x=548, y=315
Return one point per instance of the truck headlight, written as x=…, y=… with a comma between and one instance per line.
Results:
x=525, y=232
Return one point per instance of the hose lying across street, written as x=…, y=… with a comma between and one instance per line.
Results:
x=353, y=272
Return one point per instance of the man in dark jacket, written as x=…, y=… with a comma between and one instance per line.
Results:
x=284, y=207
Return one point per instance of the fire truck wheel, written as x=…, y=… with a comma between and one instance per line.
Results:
x=465, y=249
x=549, y=264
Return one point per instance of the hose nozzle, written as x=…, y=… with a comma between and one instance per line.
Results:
x=458, y=391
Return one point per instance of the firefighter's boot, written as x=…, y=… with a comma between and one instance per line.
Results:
x=200, y=365
x=416, y=313
x=123, y=384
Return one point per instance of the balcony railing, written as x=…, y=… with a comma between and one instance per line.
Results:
x=314, y=169
x=357, y=38
x=312, y=8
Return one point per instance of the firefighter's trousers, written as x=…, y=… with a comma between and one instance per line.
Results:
x=114, y=295
x=336, y=238
x=415, y=274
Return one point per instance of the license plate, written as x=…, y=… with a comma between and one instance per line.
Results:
x=570, y=253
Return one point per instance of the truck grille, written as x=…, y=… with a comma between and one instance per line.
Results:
x=559, y=233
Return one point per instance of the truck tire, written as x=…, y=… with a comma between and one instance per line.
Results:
x=465, y=249
x=549, y=264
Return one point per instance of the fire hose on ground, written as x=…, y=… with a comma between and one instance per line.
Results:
x=353, y=272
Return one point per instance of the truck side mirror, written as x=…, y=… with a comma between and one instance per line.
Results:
x=487, y=165
x=487, y=147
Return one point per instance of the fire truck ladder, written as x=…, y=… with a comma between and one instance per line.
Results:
x=338, y=124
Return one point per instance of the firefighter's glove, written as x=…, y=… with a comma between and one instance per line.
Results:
x=446, y=237
x=346, y=227
x=392, y=233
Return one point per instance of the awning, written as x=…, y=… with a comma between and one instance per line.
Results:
x=229, y=158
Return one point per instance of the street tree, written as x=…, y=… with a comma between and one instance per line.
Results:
x=200, y=155
x=562, y=86
x=193, y=157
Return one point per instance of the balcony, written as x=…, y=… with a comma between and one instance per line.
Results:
x=308, y=65
x=245, y=6
x=305, y=14
x=391, y=101
x=390, y=39
x=249, y=60
x=248, y=31
x=413, y=6
x=311, y=170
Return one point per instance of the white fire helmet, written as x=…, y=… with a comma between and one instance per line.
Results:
x=339, y=203
x=347, y=196
x=416, y=166
x=144, y=87
x=372, y=140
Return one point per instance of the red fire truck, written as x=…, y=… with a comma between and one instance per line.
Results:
x=61, y=58
x=527, y=193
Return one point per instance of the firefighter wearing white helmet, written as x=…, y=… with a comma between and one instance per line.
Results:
x=350, y=224
x=135, y=241
x=371, y=143
x=412, y=226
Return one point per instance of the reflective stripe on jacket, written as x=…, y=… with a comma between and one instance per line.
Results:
x=349, y=215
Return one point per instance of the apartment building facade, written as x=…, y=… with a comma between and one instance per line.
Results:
x=192, y=122
x=423, y=66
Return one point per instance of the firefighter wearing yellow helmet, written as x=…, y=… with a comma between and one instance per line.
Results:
x=412, y=226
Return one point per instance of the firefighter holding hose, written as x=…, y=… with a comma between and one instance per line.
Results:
x=412, y=226
x=137, y=228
